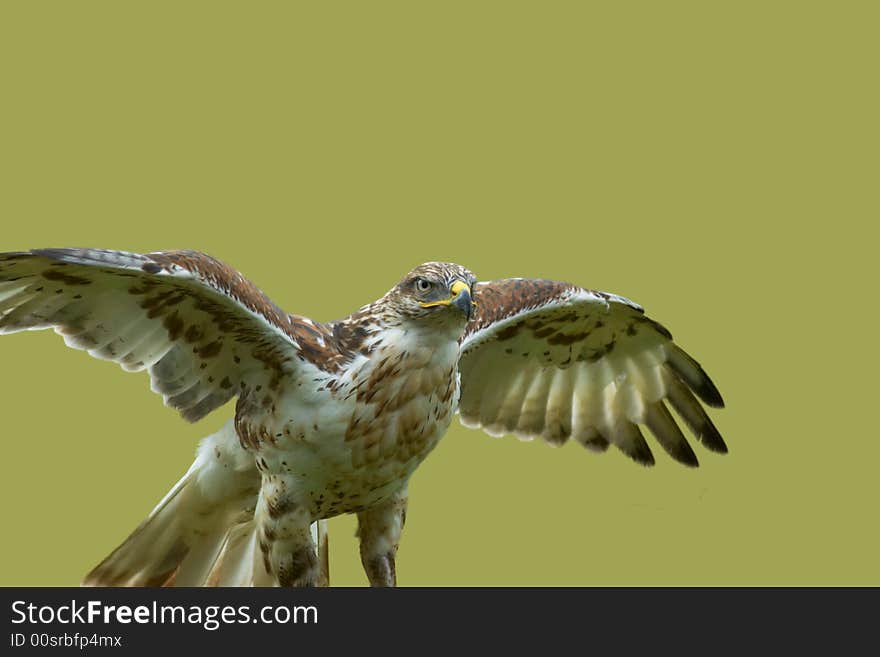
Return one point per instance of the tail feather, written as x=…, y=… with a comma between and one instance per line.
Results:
x=193, y=536
x=203, y=532
x=239, y=562
x=153, y=552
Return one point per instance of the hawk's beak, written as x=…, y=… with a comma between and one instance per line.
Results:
x=461, y=299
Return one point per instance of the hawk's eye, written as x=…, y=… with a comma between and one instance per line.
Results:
x=423, y=285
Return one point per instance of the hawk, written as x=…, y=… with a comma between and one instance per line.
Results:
x=334, y=418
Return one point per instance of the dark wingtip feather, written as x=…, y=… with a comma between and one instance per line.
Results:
x=630, y=441
x=687, y=406
x=643, y=457
x=590, y=438
x=711, y=438
x=660, y=422
x=686, y=456
x=683, y=453
x=708, y=392
x=692, y=373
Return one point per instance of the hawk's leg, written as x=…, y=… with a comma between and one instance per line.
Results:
x=379, y=529
x=285, y=535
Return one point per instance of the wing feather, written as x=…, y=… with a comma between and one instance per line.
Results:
x=533, y=410
x=585, y=410
x=686, y=405
x=549, y=359
x=507, y=416
x=627, y=437
x=198, y=326
x=558, y=419
x=590, y=438
x=667, y=433
x=692, y=373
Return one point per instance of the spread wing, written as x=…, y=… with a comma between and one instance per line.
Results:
x=194, y=323
x=549, y=359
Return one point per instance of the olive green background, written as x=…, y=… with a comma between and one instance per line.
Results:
x=717, y=162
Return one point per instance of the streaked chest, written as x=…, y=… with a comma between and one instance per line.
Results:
x=351, y=442
x=405, y=402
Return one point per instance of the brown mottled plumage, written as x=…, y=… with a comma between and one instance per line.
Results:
x=335, y=417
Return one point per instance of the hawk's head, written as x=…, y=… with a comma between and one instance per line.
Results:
x=437, y=293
